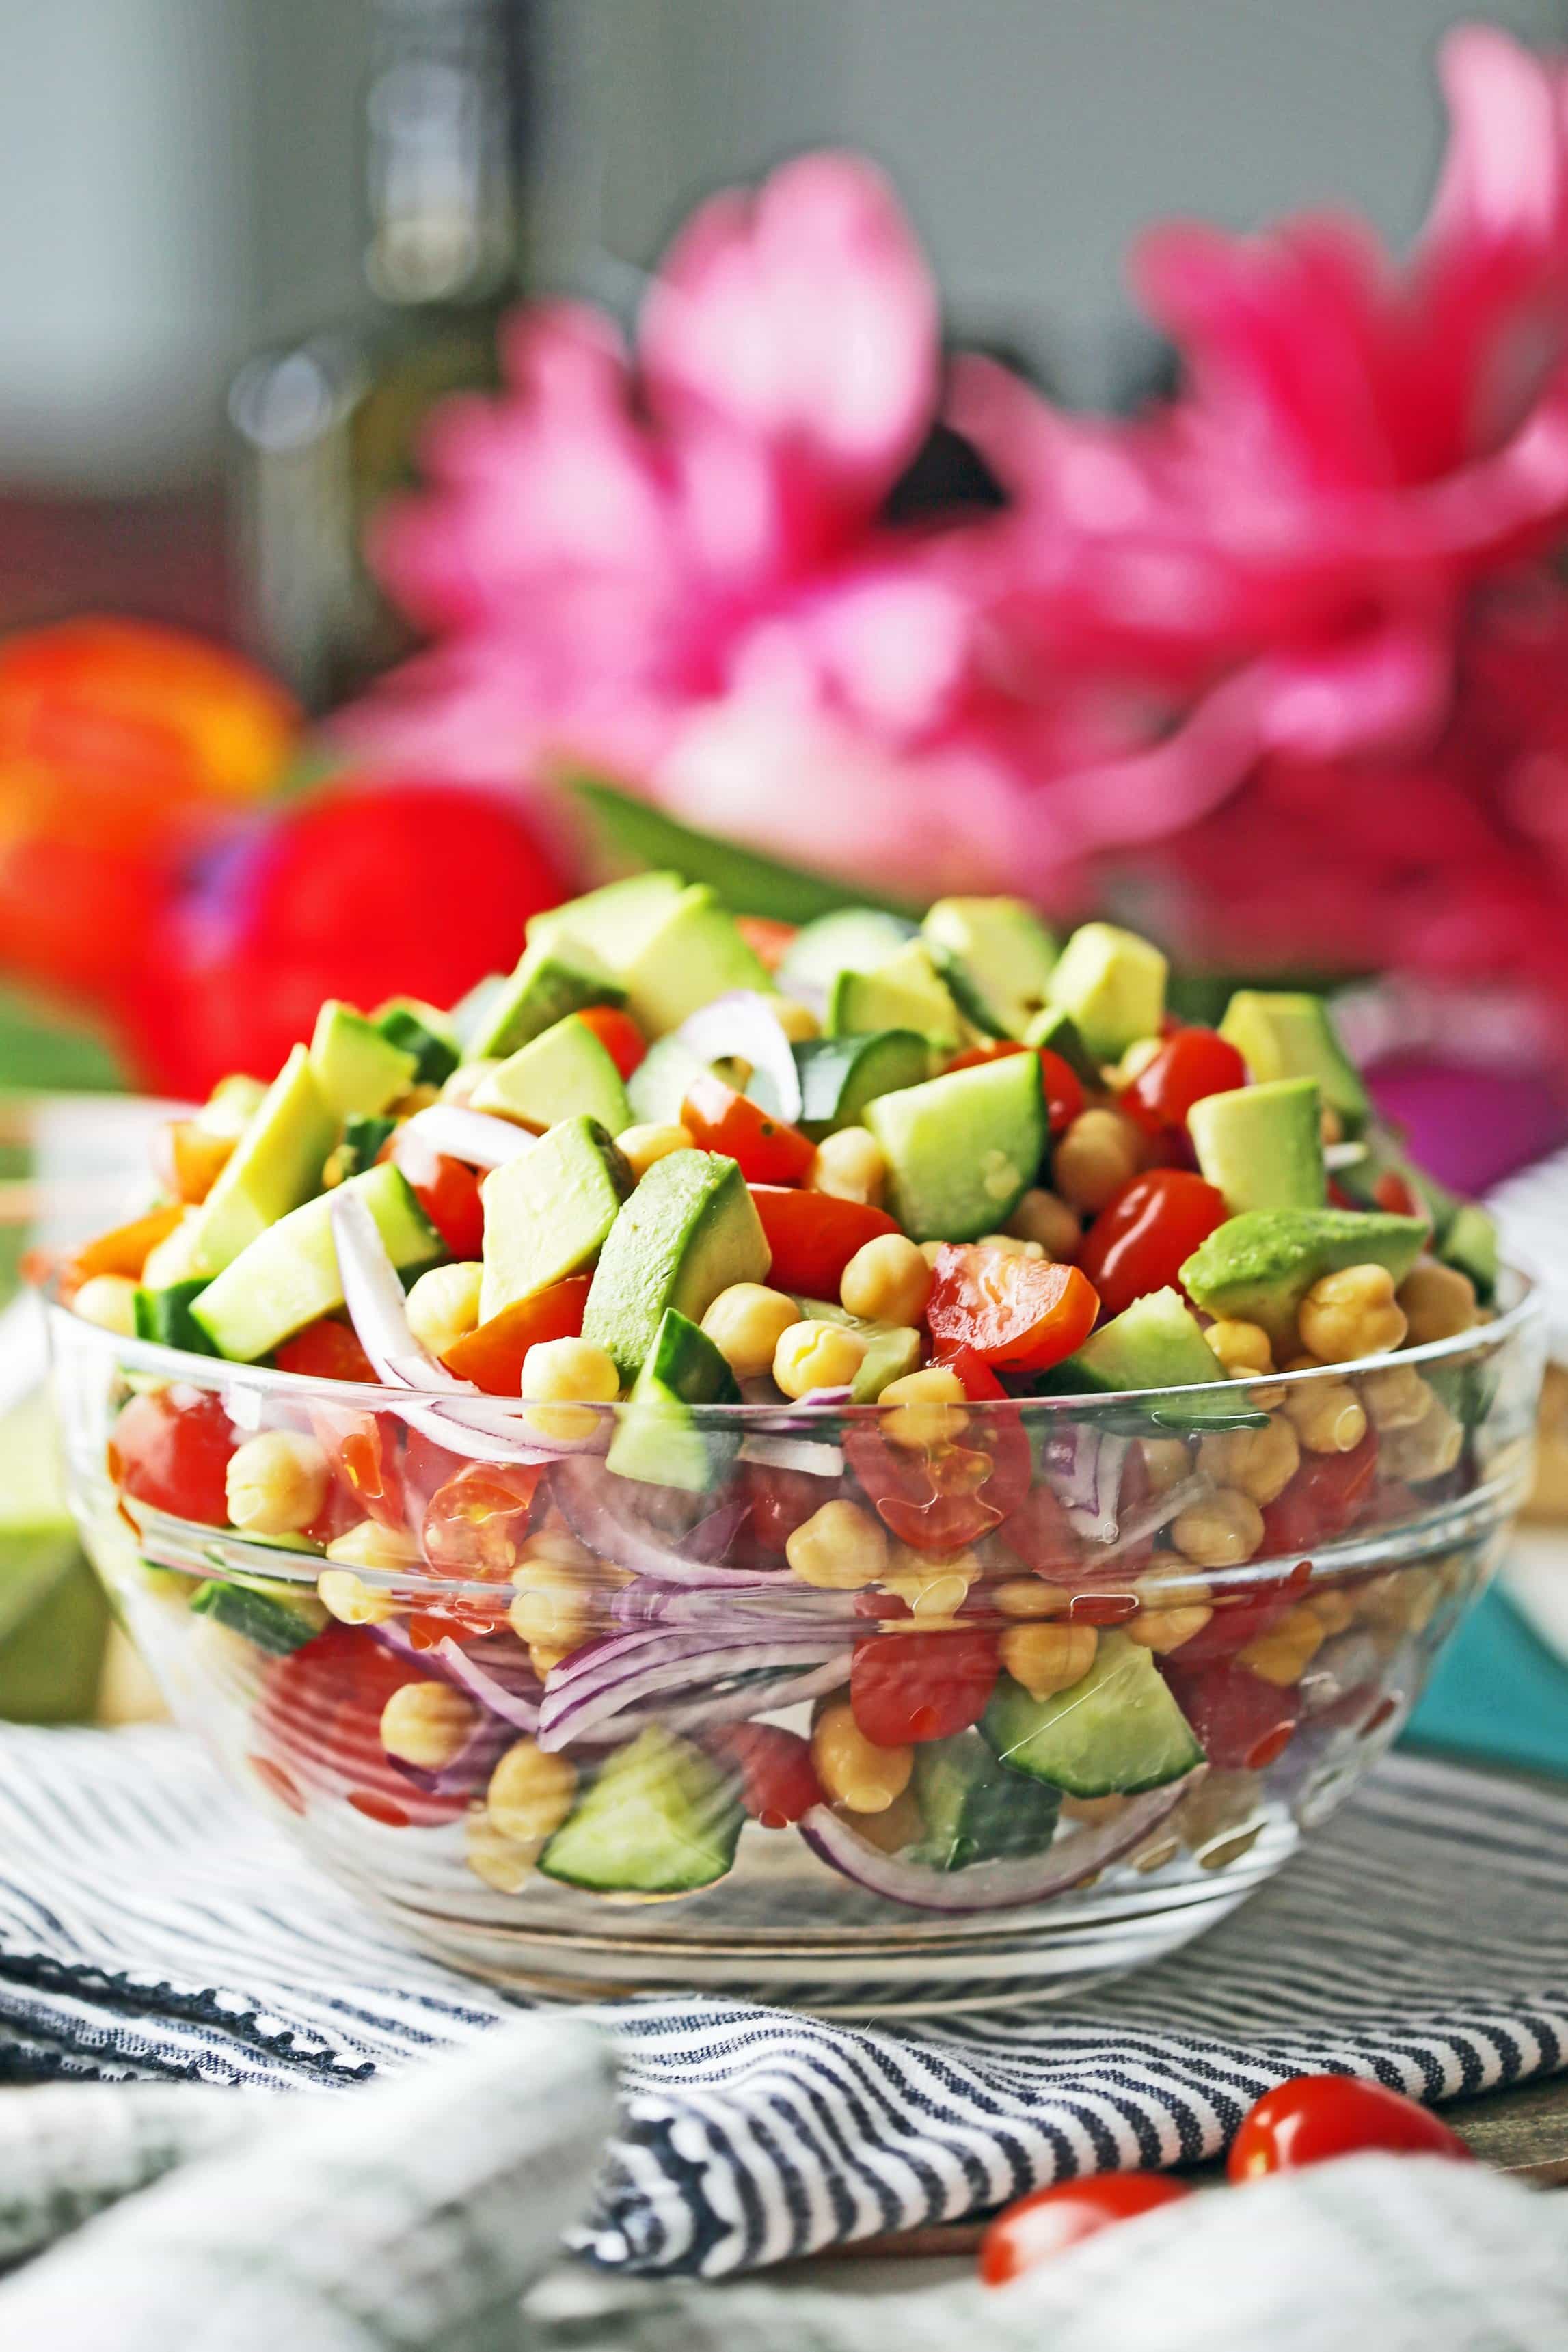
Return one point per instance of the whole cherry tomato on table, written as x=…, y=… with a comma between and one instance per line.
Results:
x=170, y=1449
x=1146, y=1233
x=1191, y=1063
x=1315, y=2117
x=1063, y=1087
x=1020, y=1314
x=1040, y=2227
x=906, y=1687
x=767, y=1149
x=812, y=1236
x=617, y=1033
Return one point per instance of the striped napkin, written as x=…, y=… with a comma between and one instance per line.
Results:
x=154, y=1926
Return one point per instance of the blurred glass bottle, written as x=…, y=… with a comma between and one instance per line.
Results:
x=325, y=426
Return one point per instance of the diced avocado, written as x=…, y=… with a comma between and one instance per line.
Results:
x=660, y=1818
x=564, y=1072
x=274, y=1166
x=166, y=1316
x=975, y=1808
x=662, y=1080
x=961, y=1151
x=1287, y=1033
x=891, y=1354
x=548, y=1211
x=1471, y=1244
x=231, y=1106
x=613, y=922
x=1262, y=1145
x=1258, y=1268
x=1114, y=985
x=356, y=1065
x=839, y=1076
x=689, y=1231
x=1115, y=1732
x=657, y=1438
x=1058, y=1030
x=695, y=954
x=362, y=1139
x=996, y=956
x=852, y=938
x=1157, y=1342
x=425, y=1033
x=552, y=979
x=905, y=992
x=289, y=1276
x=277, y=1618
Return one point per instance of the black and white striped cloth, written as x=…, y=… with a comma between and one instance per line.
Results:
x=154, y=1926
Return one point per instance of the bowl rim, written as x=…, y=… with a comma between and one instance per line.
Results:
x=1526, y=1311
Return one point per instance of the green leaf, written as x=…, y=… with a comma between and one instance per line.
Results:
x=631, y=832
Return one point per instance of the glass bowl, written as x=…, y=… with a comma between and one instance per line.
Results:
x=859, y=1709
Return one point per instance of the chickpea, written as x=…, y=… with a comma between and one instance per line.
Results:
x=797, y=1021
x=1431, y=1446
x=1223, y=1529
x=413, y=1099
x=347, y=1597
x=813, y=1355
x=1327, y=1416
x=552, y=1606
x=531, y=1792
x=850, y=1166
x=746, y=1323
x=840, y=1549
x=1010, y=1246
x=1330, y=1126
x=1281, y=1654
x=899, y=1825
x=931, y=1252
x=925, y=1409
x=276, y=1483
x=1095, y=1158
x=1048, y=1658
x=931, y=1584
x=109, y=1301
x=1165, y=1461
x=568, y=1368
x=1164, y=1630
x=852, y=1771
x=1438, y=1301
x=1260, y=1463
x=1242, y=1348
x=1045, y=1217
x=887, y=1281
x=500, y=1861
x=1026, y=1596
x=466, y=1079
x=444, y=1305
x=1335, y=1609
x=640, y=1147
x=1396, y=1398
x=1350, y=1314
x=371, y=1545
x=427, y=1724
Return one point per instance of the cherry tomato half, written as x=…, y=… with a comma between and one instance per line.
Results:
x=1146, y=1233
x=318, y=1724
x=326, y=1351
x=171, y=1449
x=940, y=1497
x=776, y=1779
x=1040, y=2227
x=781, y=1501
x=1392, y=1192
x=769, y=940
x=906, y=1687
x=1315, y=2117
x=767, y=1149
x=1063, y=1087
x=475, y=1522
x=1241, y=1722
x=492, y=1356
x=447, y=1189
x=1191, y=1063
x=1327, y=1495
x=1021, y=1314
x=617, y=1033
x=813, y=1236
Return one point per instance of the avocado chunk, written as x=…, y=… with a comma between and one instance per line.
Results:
x=566, y=1071
x=658, y=1438
x=553, y=979
x=274, y=1166
x=660, y=1818
x=231, y=1106
x=689, y=1231
x=1258, y=1268
x=357, y=1067
x=1117, y=1731
x=961, y=1151
x=662, y=1080
x=695, y=954
x=1262, y=1145
x=973, y=1809
x=1113, y=983
x=1157, y=1343
x=613, y=922
x=166, y=1316
x=423, y=1031
x=996, y=956
x=839, y=1076
x=289, y=1276
x=548, y=1211
x=894, y=1349
x=1057, y=1030
x=1470, y=1244
x=851, y=939
x=1288, y=1034
x=905, y=992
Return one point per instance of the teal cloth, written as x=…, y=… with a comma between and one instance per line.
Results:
x=1498, y=1695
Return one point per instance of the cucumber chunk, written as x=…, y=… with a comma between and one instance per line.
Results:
x=658, y=1438
x=659, y=1819
x=839, y=1076
x=274, y=1617
x=1115, y=1732
x=961, y=1151
x=975, y=1808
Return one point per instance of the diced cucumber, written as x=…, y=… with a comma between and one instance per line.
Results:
x=662, y=1080
x=961, y=1151
x=1156, y=1343
x=975, y=1808
x=656, y=1437
x=564, y=1071
x=420, y=1030
x=905, y=992
x=273, y=1616
x=1115, y=1732
x=891, y=1354
x=362, y=1139
x=851, y=939
x=996, y=956
x=659, y=1818
x=166, y=1316
x=356, y=1065
x=689, y=1231
x=550, y=983
x=1055, y=1029
x=1470, y=1244
x=839, y=1076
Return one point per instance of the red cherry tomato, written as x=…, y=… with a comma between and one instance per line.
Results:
x=1040, y=2228
x=1146, y=1232
x=325, y=1351
x=171, y=1449
x=1041, y=1535
x=813, y=1236
x=1063, y=1087
x=492, y=1356
x=767, y=1149
x=1021, y=1314
x=940, y=1497
x=1191, y=1063
x=906, y=1687
x=318, y=1717
x=365, y=1451
x=769, y=941
x=617, y=1033
x=449, y=1192
x=781, y=1501
x=474, y=1521
x=1242, y=1723
x=775, y=1779
x=1315, y=2117
x=1236, y=1623
x=1392, y=1193
x=1327, y=1495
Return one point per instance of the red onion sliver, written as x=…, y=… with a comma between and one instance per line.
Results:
x=598, y=1698
x=509, y=1704
x=743, y=1026
x=809, y=1454
x=739, y=1707
x=469, y=1769
x=474, y=1137
x=579, y=1487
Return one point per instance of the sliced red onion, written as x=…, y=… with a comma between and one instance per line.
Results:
x=474, y=1137
x=580, y=1488
x=710, y=1538
x=758, y=1698
x=1158, y=1511
x=817, y=1459
x=743, y=1026
x=1083, y=1466
x=512, y=1707
x=474, y=1763
x=777, y=1599
x=675, y=1663
x=990, y=1885
x=501, y=1417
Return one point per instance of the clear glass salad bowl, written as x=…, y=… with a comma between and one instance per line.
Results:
x=875, y=1709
